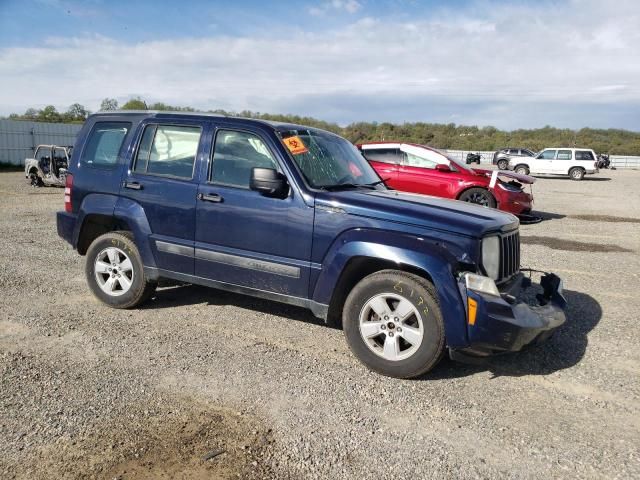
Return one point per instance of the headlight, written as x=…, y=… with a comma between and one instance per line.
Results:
x=480, y=284
x=491, y=256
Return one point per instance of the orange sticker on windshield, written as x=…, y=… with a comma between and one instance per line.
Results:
x=295, y=145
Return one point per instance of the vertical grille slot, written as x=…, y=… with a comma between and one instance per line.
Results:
x=509, y=255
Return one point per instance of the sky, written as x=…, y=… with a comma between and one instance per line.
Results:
x=510, y=64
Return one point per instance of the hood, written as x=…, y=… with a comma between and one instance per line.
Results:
x=420, y=210
x=524, y=179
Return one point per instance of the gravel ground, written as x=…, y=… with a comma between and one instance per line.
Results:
x=206, y=384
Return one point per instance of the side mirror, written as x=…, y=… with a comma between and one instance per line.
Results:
x=441, y=167
x=269, y=182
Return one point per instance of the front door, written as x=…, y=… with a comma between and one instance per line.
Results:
x=419, y=175
x=543, y=163
x=243, y=237
x=161, y=179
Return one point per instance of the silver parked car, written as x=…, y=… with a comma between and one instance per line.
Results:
x=501, y=157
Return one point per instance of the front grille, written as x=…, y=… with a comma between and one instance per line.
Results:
x=509, y=255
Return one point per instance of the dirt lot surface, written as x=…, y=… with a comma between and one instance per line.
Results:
x=205, y=384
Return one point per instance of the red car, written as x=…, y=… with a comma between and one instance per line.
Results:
x=419, y=169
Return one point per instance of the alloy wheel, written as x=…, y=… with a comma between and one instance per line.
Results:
x=391, y=326
x=114, y=271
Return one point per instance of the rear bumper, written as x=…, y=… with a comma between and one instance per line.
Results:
x=66, y=223
x=523, y=314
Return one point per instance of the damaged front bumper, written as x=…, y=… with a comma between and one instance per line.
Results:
x=508, y=318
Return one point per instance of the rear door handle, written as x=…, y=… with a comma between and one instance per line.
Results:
x=133, y=185
x=210, y=197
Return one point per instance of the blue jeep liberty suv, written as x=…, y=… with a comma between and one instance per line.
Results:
x=296, y=215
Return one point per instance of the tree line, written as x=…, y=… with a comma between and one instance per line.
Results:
x=445, y=136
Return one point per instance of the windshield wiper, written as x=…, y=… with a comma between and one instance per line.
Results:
x=348, y=186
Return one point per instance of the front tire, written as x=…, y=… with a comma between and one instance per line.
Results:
x=522, y=170
x=393, y=324
x=576, y=173
x=479, y=196
x=115, y=272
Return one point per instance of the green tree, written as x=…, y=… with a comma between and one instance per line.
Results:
x=109, y=104
x=49, y=114
x=76, y=113
x=135, y=104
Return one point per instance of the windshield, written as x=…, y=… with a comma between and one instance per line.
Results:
x=328, y=161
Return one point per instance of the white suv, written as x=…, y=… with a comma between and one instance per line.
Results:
x=575, y=162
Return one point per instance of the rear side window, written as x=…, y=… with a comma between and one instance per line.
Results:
x=104, y=144
x=564, y=154
x=384, y=155
x=235, y=154
x=43, y=154
x=584, y=155
x=168, y=150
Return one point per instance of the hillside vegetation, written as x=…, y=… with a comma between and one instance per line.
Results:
x=449, y=136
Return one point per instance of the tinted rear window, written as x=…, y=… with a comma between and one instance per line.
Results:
x=104, y=144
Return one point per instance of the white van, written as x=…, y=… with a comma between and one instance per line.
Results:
x=575, y=162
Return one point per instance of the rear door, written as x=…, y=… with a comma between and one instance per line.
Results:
x=162, y=179
x=385, y=162
x=562, y=162
x=243, y=237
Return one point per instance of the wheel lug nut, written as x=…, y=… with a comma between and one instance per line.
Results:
x=391, y=334
x=395, y=319
x=386, y=317
x=383, y=327
x=399, y=329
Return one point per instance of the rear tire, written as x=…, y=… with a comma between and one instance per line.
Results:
x=393, y=324
x=503, y=164
x=479, y=196
x=522, y=170
x=576, y=173
x=115, y=272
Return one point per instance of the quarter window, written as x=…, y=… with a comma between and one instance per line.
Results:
x=168, y=150
x=104, y=143
x=564, y=154
x=235, y=154
x=584, y=155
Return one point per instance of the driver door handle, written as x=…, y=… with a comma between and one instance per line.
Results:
x=133, y=185
x=210, y=197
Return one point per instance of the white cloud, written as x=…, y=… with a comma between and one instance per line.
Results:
x=332, y=6
x=495, y=61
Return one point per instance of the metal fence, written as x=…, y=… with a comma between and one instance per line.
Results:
x=18, y=139
x=618, y=161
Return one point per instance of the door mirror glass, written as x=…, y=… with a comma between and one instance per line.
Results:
x=269, y=182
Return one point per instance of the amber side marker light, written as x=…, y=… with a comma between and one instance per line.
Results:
x=473, y=308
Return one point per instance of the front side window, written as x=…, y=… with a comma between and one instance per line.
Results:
x=384, y=155
x=547, y=155
x=168, y=150
x=564, y=154
x=416, y=161
x=235, y=155
x=104, y=143
x=584, y=155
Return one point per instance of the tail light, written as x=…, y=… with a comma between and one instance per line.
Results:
x=68, y=184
